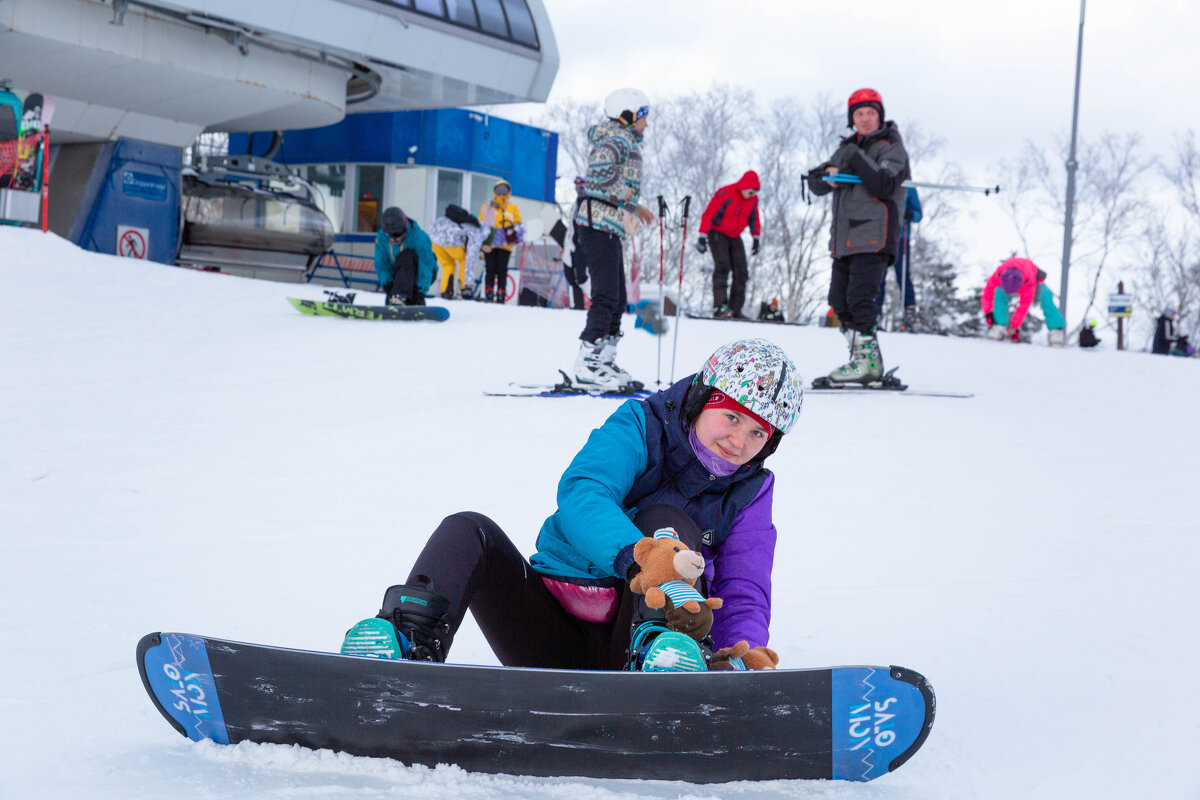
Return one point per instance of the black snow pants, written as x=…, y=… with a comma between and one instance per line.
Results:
x=495, y=270
x=602, y=257
x=853, y=287
x=471, y=561
x=729, y=255
x=404, y=279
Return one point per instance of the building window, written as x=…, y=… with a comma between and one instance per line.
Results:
x=505, y=19
x=370, y=198
x=329, y=183
x=462, y=12
x=491, y=17
x=520, y=22
x=449, y=190
x=481, y=192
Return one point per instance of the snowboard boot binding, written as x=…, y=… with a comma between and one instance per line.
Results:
x=654, y=647
x=1058, y=337
x=866, y=362
x=413, y=624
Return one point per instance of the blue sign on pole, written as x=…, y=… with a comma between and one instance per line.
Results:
x=145, y=185
x=1120, y=305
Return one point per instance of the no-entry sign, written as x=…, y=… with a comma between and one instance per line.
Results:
x=132, y=242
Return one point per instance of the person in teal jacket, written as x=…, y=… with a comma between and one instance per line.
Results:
x=688, y=459
x=404, y=260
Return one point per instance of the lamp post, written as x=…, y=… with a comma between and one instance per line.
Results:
x=1071, y=165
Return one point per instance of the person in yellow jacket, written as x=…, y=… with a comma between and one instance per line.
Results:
x=504, y=218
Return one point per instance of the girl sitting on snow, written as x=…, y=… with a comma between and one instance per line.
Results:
x=689, y=457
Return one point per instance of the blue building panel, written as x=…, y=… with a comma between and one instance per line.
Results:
x=453, y=138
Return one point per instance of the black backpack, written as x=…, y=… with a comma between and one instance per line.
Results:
x=460, y=215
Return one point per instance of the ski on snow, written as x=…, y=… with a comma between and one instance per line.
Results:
x=567, y=388
x=889, y=383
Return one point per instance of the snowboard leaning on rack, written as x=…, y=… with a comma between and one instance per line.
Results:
x=327, y=308
x=849, y=723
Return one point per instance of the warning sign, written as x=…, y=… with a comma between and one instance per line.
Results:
x=132, y=242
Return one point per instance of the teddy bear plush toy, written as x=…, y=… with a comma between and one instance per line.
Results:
x=669, y=570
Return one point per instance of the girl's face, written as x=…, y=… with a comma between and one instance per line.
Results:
x=730, y=435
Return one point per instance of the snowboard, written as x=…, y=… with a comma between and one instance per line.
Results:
x=847, y=723
x=350, y=311
x=25, y=172
x=10, y=116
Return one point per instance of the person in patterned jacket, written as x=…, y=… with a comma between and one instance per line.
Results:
x=606, y=214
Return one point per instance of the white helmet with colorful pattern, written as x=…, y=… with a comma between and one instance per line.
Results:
x=760, y=377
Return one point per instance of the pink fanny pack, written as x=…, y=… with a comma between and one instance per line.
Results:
x=589, y=603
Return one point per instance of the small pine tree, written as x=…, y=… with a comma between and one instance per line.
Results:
x=940, y=307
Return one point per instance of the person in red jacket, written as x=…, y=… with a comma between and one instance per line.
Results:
x=731, y=209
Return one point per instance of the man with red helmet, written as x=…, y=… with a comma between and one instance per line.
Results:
x=729, y=212
x=867, y=222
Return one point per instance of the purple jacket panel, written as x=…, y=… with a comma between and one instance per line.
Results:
x=739, y=572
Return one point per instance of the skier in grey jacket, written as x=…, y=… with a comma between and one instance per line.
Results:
x=868, y=218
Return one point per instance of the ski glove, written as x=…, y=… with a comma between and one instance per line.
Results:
x=754, y=247
x=702, y=244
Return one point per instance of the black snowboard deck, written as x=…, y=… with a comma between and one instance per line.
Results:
x=849, y=723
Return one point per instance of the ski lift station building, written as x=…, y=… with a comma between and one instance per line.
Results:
x=361, y=98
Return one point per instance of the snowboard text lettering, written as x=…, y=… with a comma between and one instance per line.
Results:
x=866, y=727
x=190, y=697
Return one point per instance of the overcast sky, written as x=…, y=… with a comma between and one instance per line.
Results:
x=984, y=76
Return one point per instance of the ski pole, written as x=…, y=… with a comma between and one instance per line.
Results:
x=687, y=202
x=662, y=212
x=840, y=177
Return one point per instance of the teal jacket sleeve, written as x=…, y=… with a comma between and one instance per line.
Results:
x=384, y=266
x=426, y=263
x=591, y=519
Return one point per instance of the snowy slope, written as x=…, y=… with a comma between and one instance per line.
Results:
x=183, y=451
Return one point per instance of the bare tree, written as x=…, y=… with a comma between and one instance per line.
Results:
x=571, y=120
x=1110, y=205
x=1171, y=276
x=793, y=263
x=695, y=143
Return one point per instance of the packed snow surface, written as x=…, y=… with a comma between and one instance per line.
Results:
x=183, y=451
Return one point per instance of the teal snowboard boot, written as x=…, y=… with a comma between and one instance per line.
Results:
x=376, y=638
x=656, y=648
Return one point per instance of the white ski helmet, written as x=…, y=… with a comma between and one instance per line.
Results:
x=627, y=105
x=760, y=377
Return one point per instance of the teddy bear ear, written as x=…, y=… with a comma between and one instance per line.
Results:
x=642, y=548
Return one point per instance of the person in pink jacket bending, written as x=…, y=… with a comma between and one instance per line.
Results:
x=1020, y=277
